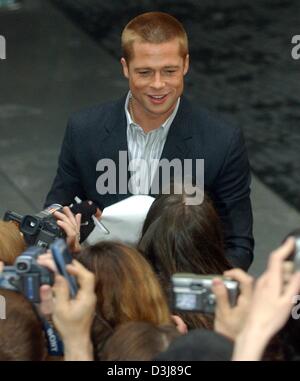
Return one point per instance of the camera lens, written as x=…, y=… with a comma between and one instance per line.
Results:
x=30, y=225
x=211, y=299
x=22, y=266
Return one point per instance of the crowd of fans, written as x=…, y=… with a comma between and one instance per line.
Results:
x=123, y=308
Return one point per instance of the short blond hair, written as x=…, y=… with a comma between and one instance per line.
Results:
x=153, y=27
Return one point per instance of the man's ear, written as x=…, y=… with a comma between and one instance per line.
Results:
x=125, y=67
x=186, y=64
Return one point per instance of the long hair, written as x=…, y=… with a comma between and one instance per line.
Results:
x=177, y=237
x=126, y=287
x=183, y=238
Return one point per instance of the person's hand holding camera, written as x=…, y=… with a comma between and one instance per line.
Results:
x=71, y=226
x=73, y=317
x=229, y=320
x=45, y=306
x=271, y=305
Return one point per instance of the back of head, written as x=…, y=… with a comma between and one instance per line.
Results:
x=126, y=287
x=21, y=334
x=198, y=345
x=12, y=243
x=138, y=341
x=155, y=28
x=177, y=237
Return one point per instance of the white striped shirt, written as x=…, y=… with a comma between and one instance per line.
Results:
x=145, y=149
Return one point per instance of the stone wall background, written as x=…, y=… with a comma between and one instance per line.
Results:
x=241, y=68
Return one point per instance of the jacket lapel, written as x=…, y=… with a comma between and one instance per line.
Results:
x=177, y=145
x=114, y=140
x=180, y=133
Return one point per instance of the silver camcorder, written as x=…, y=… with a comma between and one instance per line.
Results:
x=193, y=293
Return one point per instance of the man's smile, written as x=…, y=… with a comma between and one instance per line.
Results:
x=157, y=99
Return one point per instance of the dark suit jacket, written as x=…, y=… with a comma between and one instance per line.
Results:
x=100, y=132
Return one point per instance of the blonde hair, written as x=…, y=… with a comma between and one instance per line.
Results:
x=12, y=243
x=126, y=286
x=127, y=289
x=153, y=27
x=21, y=334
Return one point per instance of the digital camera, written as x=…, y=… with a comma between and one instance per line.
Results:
x=26, y=275
x=193, y=293
x=40, y=229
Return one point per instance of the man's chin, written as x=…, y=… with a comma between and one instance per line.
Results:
x=160, y=110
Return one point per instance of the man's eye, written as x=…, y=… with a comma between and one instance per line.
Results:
x=171, y=71
x=144, y=73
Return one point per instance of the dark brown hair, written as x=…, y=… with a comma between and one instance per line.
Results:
x=177, y=237
x=183, y=238
x=138, y=341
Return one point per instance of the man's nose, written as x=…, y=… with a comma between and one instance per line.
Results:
x=157, y=82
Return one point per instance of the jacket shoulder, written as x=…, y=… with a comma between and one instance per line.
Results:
x=210, y=123
x=96, y=116
x=216, y=135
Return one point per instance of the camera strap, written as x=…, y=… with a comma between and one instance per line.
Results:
x=54, y=342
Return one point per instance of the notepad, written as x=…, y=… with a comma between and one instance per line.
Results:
x=124, y=221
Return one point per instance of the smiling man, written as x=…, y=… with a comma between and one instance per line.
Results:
x=155, y=72
x=155, y=122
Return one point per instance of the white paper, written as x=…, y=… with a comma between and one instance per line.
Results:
x=124, y=220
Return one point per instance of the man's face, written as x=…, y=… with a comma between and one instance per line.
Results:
x=155, y=75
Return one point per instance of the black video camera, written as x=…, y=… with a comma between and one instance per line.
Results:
x=40, y=229
x=27, y=276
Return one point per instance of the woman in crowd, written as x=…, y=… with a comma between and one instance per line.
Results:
x=126, y=288
x=178, y=237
